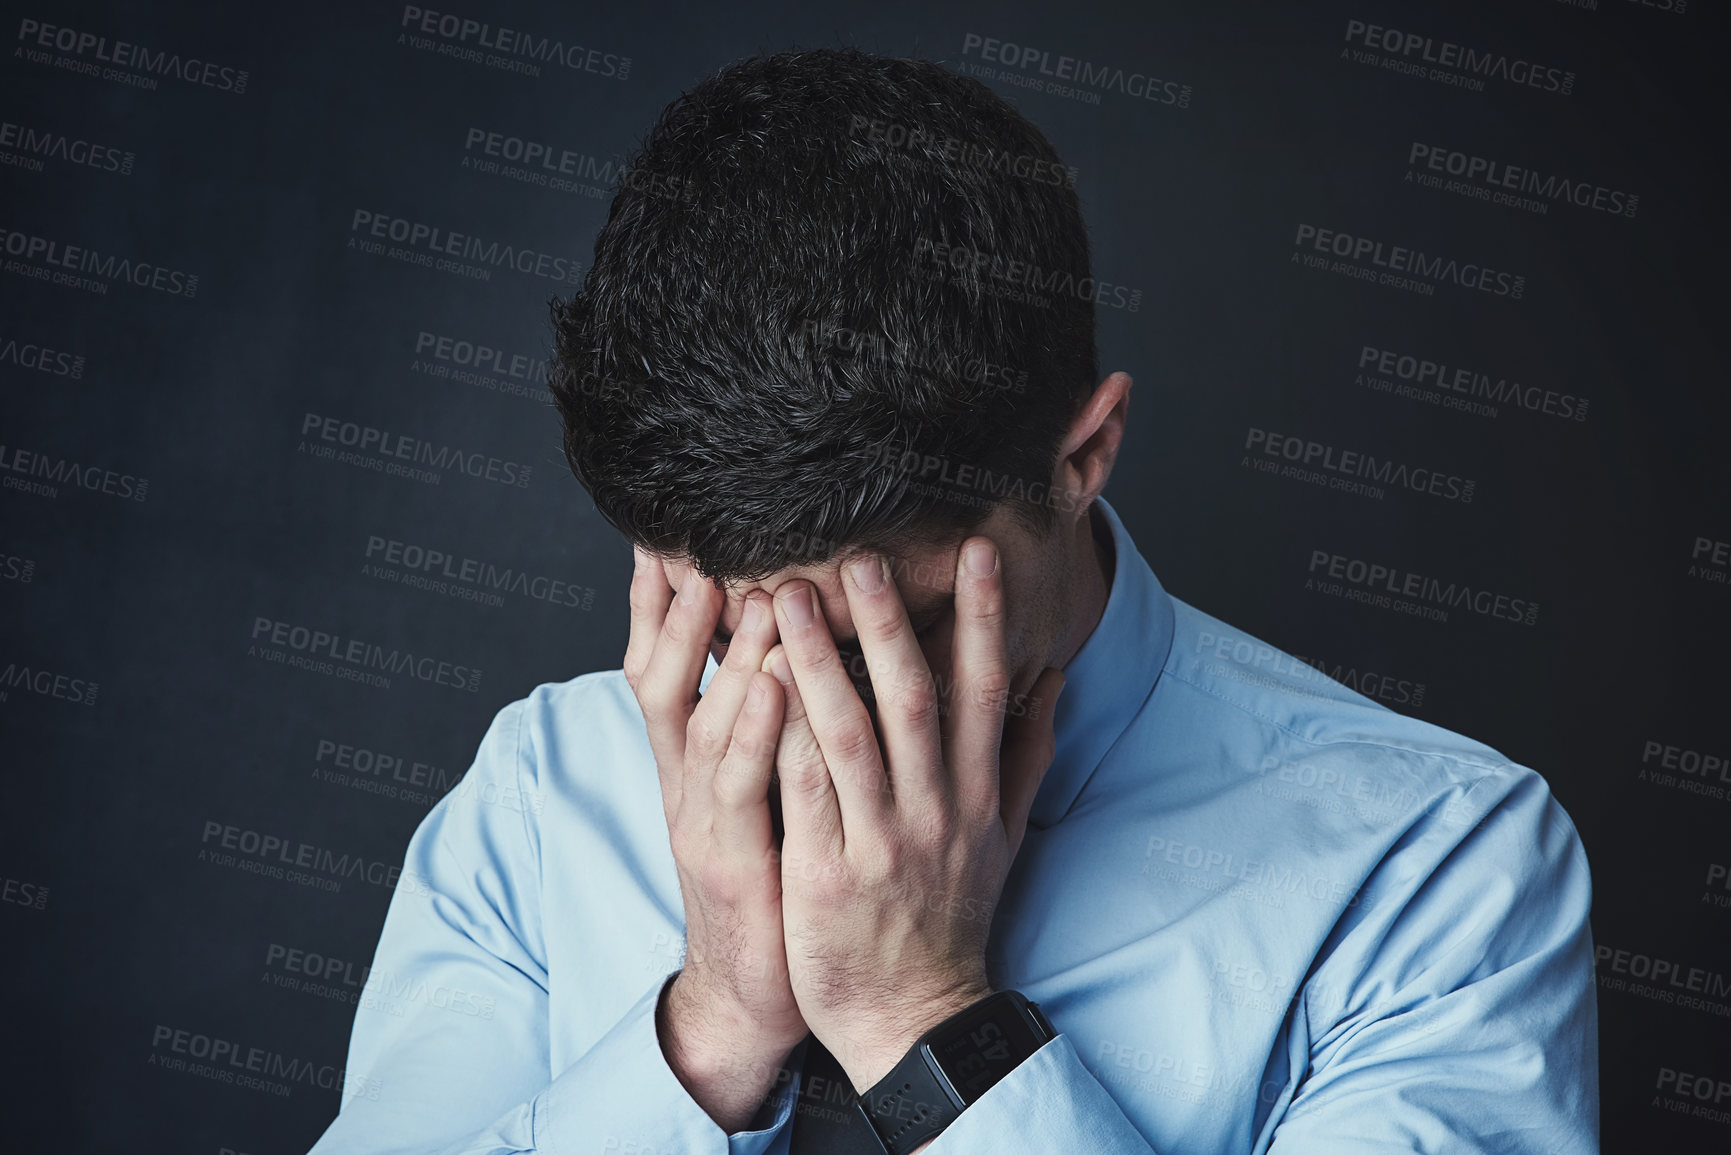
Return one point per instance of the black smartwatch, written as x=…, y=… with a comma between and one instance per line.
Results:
x=951, y=1066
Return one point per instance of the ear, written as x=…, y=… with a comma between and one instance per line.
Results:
x=1090, y=445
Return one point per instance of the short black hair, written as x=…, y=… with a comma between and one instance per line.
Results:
x=818, y=287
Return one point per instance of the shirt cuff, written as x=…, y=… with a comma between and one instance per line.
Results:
x=623, y=1092
x=757, y=1142
x=1050, y=1102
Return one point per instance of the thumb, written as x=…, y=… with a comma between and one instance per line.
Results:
x=1026, y=754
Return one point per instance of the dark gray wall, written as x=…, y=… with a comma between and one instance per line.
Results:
x=181, y=238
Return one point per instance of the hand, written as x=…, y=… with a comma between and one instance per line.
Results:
x=729, y=1018
x=890, y=872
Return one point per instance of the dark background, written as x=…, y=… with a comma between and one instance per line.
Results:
x=142, y=718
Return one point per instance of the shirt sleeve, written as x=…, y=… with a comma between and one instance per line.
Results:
x=1468, y=1021
x=450, y=1046
x=1454, y=1010
x=1050, y=1102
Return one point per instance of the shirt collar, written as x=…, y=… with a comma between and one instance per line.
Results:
x=1110, y=677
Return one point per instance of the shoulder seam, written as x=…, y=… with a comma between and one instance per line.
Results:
x=521, y=706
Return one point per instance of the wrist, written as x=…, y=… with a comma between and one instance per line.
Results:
x=870, y=1055
x=727, y=1065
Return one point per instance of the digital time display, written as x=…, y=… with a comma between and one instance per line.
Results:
x=984, y=1046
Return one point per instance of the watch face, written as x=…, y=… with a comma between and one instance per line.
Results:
x=982, y=1047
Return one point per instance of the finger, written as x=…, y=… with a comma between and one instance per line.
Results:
x=907, y=696
x=810, y=810
x=981, y=682
x=650, y=595
x=710, y=729
x=837, y=716
x=739, y=815
x=667, y=691
x=1029, y=743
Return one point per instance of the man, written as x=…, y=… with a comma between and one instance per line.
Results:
x=907, y=723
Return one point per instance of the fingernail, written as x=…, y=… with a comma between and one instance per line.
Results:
x=797, y=606
x=688, y=591
x=779, y=667
x=867, y=573
x=753, y=615
x=981, y=559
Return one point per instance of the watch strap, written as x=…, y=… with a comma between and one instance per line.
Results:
x=916, y=1101
x=909, y=1105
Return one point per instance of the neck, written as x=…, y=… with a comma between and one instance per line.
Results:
x=1094, y=563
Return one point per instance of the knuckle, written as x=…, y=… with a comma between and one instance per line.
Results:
x=752, y=749
x=988, y=609
x=677, y=628
x=803, y=777
x=918, y=701
x=976, y=812
x=702, y=736
x=736, y=782
x=882, y=862
x=936, y=826
x=855, y=743
x=880, y=621
x=991, y=690
x=655, y=700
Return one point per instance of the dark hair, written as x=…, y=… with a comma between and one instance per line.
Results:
x=820, y=267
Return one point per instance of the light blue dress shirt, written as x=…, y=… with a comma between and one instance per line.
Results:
x=1264, y=913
